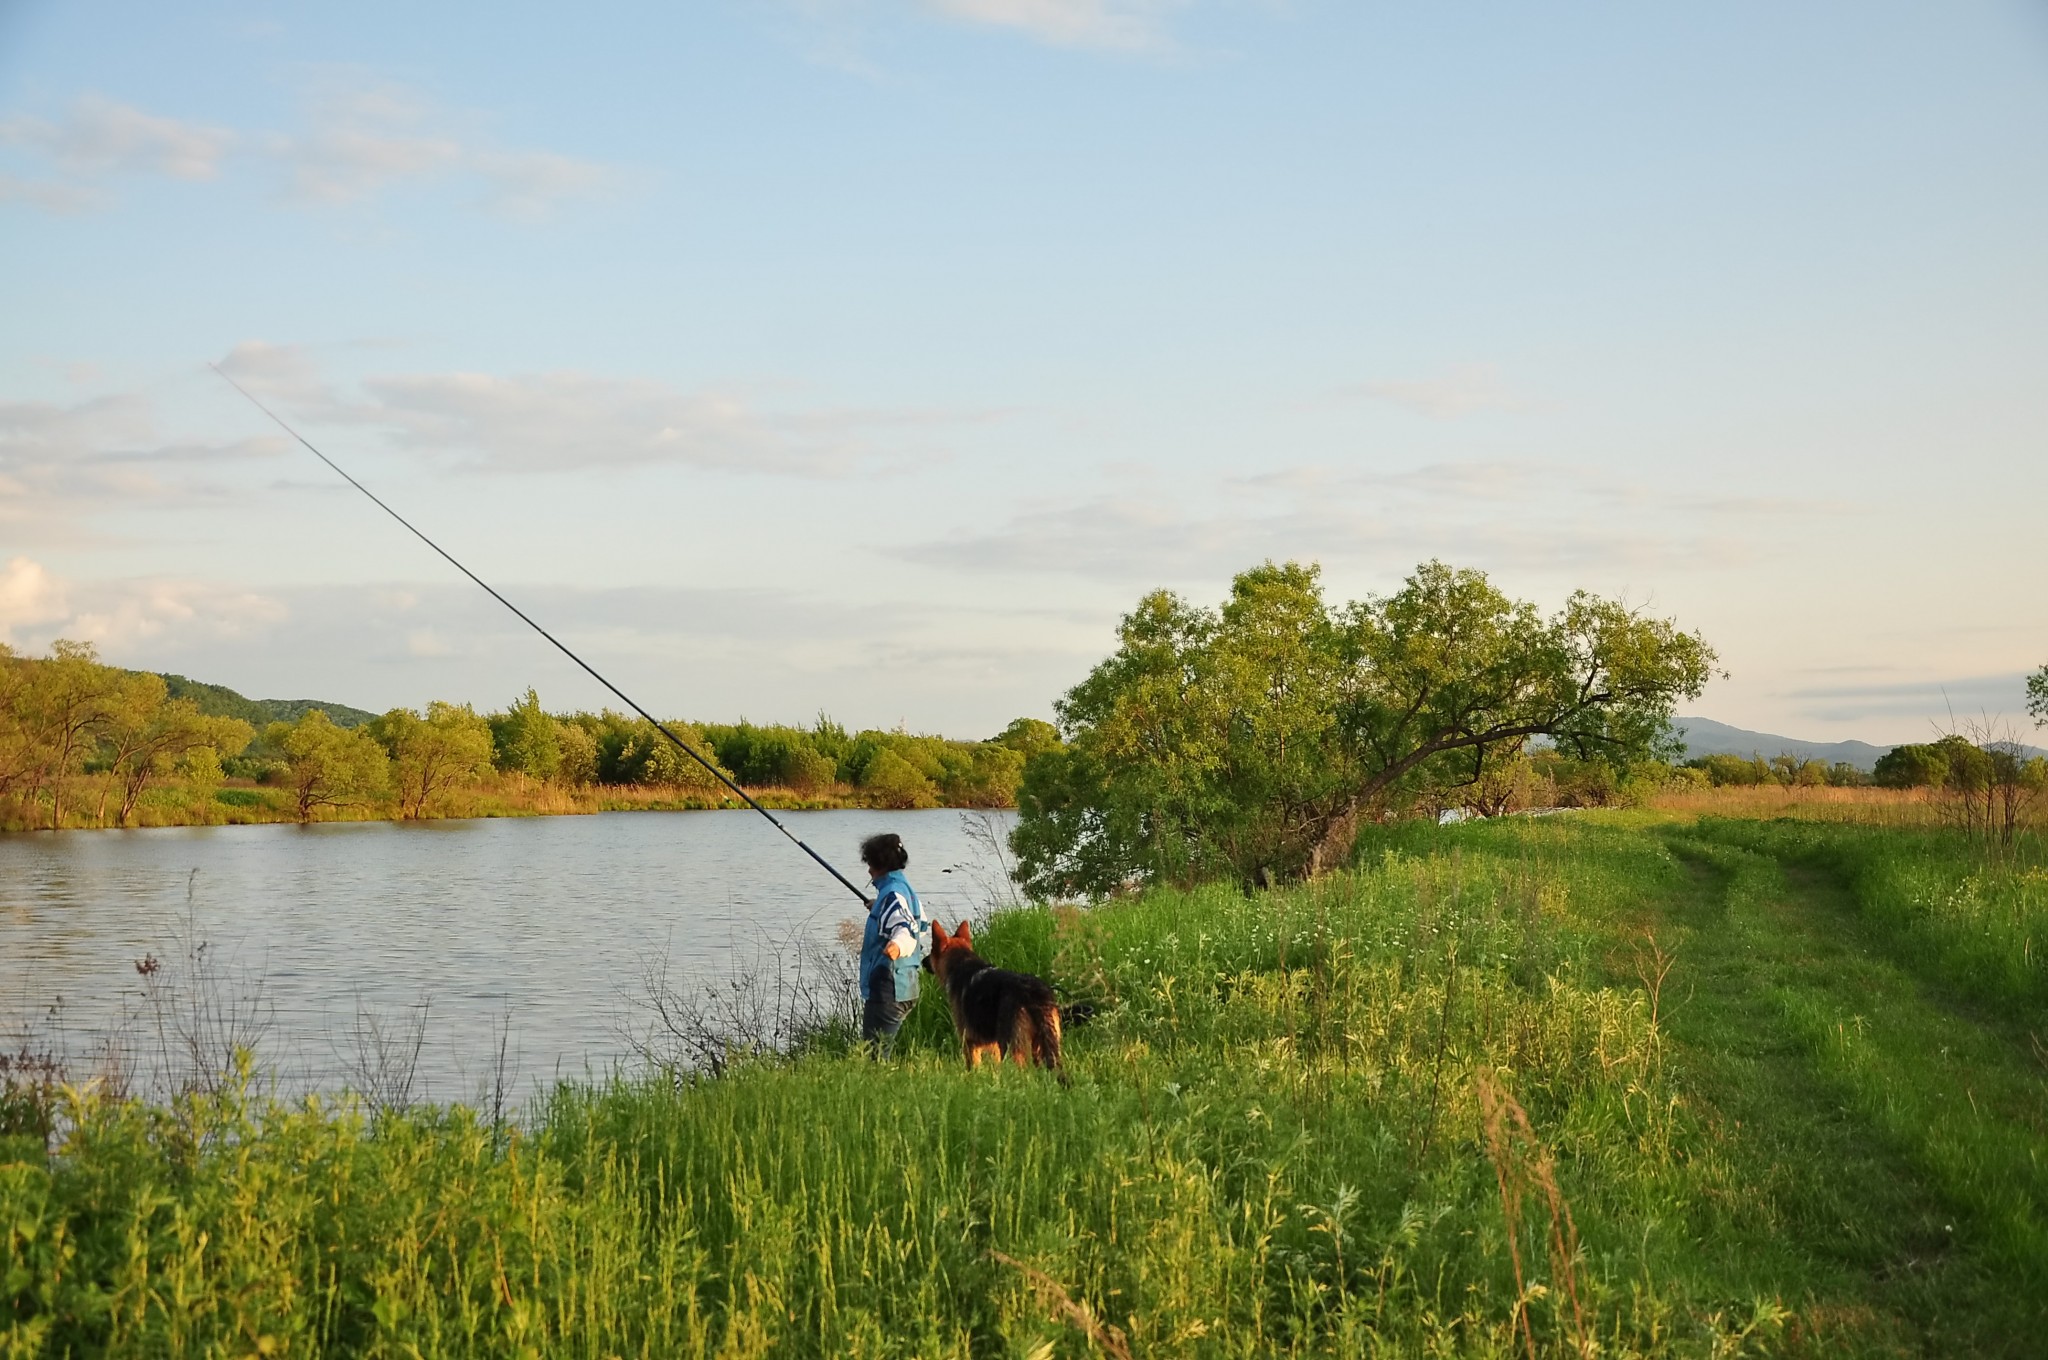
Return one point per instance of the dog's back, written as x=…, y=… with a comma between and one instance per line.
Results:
x=1015, y=1015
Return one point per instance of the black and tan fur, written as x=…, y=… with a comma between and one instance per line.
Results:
x=998, y=1014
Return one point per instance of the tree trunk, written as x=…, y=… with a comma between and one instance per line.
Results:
x=131, y=796
x=1337, y=839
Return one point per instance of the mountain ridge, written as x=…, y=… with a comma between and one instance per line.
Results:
x=1705, y=737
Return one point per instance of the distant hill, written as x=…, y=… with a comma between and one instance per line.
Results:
x=1705, y=737
x=221, y=702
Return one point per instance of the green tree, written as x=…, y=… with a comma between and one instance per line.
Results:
x=20, y=753
x=1912, y=766
x=1028, y=737
x=67, y=701
x=328, y=766
x=893, y=782
x=2037, y=697
x=1796, y=771
x=1251, y=742
x=147, y=735
x=525, y=740
x=578, y=747
x=434, y=755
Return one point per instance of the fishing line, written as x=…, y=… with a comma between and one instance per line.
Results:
x=625, y=698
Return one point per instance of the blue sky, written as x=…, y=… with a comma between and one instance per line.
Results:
x=875, y=355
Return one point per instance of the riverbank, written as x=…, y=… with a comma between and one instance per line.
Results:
x=245, y=803
x=1652, y=1084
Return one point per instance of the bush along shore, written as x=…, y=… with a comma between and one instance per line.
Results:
x=84, y=744
x=1629, y=1083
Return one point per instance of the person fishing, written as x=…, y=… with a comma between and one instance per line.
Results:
x=895, y=940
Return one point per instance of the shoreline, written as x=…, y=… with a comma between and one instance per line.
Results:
x=260, y=805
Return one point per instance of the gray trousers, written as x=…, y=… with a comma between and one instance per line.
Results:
x=881, y=1015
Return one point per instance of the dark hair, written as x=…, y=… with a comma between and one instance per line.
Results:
x=884, y=852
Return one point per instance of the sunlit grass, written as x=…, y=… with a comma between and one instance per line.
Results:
x=1421, y=1108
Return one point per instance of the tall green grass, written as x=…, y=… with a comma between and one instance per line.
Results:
x=1420, y=1108
x=1978, y=915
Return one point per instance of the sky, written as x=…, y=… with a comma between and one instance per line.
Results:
x=875, y=356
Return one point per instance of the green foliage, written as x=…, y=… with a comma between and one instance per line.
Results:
x=1277, y=1143
x=628, y=750
x=893, y=782
x=67, y=714
x=780, y=757
x=525, y=740
x=2037, y=697
x=328, y=766
x=577, y=747
x=1253, y=741
x=1029, y=737
x=432, y=756
x=1913, y=766
x=218, y=701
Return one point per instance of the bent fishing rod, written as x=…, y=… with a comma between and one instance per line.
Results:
x=710, y=767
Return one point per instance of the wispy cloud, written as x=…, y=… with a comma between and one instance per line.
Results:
x=540, y=422
x=1942, y=701
x=1122, y=25
x=1488, y=514
x=59, y=462
x=52, y=196
x=98, y=135
x=358, y=138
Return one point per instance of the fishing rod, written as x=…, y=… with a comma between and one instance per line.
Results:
x=710, y=767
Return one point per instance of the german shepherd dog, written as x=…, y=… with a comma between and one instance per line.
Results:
x=997, y=1013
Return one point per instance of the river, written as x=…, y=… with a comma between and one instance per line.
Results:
x=526, y=937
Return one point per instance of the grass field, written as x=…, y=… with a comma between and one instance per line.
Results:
x=1620, y=1084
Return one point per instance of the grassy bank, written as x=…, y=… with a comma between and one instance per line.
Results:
x=1619, y=1083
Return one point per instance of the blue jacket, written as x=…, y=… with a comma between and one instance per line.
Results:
x=895, y=905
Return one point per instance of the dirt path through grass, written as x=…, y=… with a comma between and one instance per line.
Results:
x=1897, y=1144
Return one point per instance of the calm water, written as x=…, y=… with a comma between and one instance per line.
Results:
x=541, y=928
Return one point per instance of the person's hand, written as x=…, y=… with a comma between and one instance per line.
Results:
x=894, y=950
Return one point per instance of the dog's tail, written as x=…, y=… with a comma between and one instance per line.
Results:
x=1045, y=1041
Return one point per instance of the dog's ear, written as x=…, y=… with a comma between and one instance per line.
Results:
x=964, y=934
x=938, y=935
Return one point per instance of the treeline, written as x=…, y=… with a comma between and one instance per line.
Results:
x=1786, y=769
x=82, y=743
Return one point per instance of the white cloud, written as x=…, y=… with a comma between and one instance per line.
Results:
x=28, y=596
x=359, y=139
x=118, y=615
x=60, y=462
x=363, y=137
x=1128, y=25
x=1460, y=391
x=98, y=135
x=553, y=421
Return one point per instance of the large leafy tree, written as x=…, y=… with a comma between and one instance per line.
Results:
x=527, y=741
x=1252, y=741
x=146, y=735
x=436, y=754
x=64, y=703
x=328, y=766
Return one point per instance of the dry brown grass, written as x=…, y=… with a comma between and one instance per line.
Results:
x=1884, y=807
